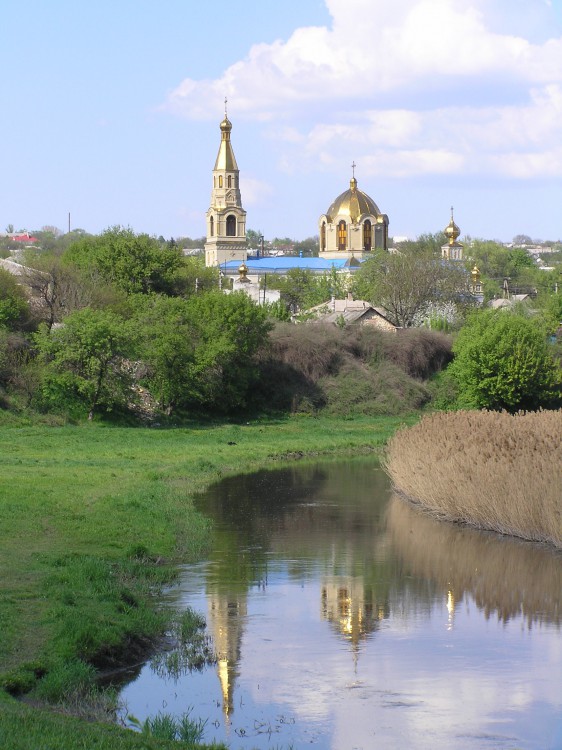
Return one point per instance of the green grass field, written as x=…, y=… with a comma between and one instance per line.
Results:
x=93, y=519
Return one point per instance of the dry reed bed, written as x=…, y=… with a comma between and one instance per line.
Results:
x=489, y=470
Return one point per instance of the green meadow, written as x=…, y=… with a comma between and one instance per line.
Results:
x=93, y=521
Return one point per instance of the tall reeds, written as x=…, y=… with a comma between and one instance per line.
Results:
x=489, y=470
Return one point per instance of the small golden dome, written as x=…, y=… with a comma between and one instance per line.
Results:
x=475, y=273
x=353, y=203
x=226, y=125
x=452, y=231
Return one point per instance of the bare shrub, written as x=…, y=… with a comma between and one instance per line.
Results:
x=381, y=389
x=282, y=387
x=419, y=351
x=313, y=349
x=354, y=370
x=491, y=470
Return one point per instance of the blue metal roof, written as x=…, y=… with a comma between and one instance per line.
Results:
x=284, y=264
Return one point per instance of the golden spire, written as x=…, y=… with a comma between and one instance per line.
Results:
x=452, y=231
x=353, y=181
x=225, y=158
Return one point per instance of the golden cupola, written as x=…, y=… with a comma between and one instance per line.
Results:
x=353, y=226
x=353, y=204
x=453, y=249
x=452, y=231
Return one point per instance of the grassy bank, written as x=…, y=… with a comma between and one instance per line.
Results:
x=92, y=521
x=489, y=470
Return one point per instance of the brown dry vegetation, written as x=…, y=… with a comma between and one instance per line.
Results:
x=490, y=470
x=355, y=370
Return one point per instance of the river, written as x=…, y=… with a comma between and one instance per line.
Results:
x=342, y=619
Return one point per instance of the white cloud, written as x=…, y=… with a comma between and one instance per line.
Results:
x=425, y=55
x=254, y=192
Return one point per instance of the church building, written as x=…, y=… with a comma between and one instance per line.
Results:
x=353, y=226
x=453, y=250
x=226, y=218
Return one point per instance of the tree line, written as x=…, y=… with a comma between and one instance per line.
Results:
x=125, y=323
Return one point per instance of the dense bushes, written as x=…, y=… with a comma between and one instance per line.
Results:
x=503, y=361
x=355, y=370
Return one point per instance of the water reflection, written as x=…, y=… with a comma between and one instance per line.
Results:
x=506, y=577
x=331, y=606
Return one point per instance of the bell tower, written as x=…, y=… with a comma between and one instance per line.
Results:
x=226, y=219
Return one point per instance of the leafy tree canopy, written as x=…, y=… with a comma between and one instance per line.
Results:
x=200, y=350
x=503, y=361
x=14, y=307
x=133, y=262
x=254, y=238
x=83, y=357
x=301, y=288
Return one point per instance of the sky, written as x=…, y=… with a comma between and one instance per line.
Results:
x=111, y=112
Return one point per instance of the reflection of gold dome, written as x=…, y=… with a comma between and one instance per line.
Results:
x=452, y=231
x=353, y=203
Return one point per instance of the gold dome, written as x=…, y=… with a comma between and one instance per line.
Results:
x=226, y=125
x=452, y=231
x=353, y=203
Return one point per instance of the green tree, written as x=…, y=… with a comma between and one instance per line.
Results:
x=254, y=239
x=228, y=330
x=503, y=361
x=14, y=306
x=497, y=262
x=167, y=346
x=193, y=277
x=84, y=357
x=301, y=288
x=133, y=262
x=403, y=283
x=200, y=351
x=308, y=246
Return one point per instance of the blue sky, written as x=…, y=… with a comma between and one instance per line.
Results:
x=111, y=112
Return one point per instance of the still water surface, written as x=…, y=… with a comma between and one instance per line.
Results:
x=344, y=620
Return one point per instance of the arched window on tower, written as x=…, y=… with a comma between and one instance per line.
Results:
x=211, y=227
x=323, y=237
x=214, y=182
x=229, y=181
x=367, y=236
x=220, y=180
x=231, y=226
x=342, y=235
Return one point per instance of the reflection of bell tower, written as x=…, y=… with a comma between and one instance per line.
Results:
x=226, y=617
x=226, y=219
x=351, y=608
